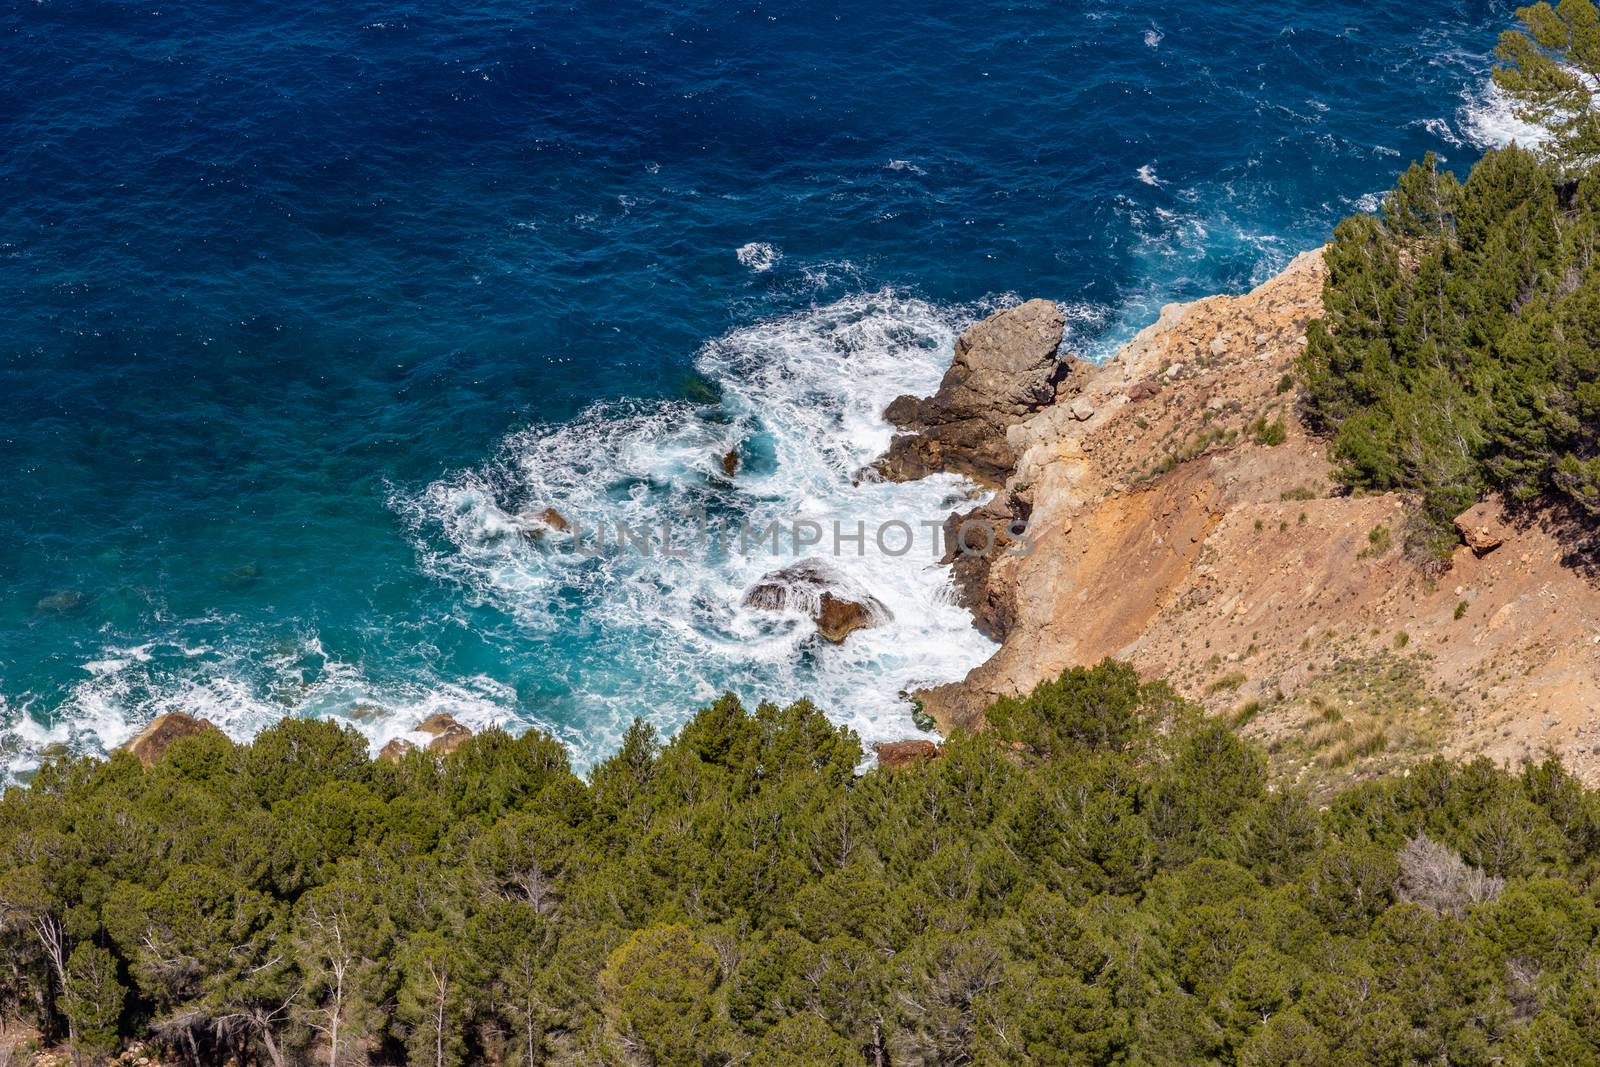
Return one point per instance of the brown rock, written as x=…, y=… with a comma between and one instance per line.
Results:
x=730, y=462
x=974, y=447
x=555, y=520
x=1293, y=679
x=1143, y=390
x=154, y=740
x=1482, y=529
x=837, y=618
x=395, y=750
x=828, y=597
x=1005, y=369
x=1005, y=364
x=448, y=735
x=992, y=603
x=899, y=755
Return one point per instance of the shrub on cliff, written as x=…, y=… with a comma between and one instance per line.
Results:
x=1461, y=347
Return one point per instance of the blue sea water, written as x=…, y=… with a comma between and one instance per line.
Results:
x=304, y=302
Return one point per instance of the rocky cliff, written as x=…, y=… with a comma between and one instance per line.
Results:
x=1183, y=519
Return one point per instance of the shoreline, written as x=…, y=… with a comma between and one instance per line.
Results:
x=1184, y=520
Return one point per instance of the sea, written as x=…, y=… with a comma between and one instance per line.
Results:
x=311, y=309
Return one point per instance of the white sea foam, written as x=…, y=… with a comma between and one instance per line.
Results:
x=1153, y=36
x=1441, y=129
x=1489, y=120
x=242, y=692
x=1147, y=174
x=758, y=256
x=801, y=401
x=905, y=165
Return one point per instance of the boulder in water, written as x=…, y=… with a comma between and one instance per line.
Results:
x=730, y=462
x=535, y=526
x=837, y=605
x=838, y=618
x=154, y=740
x=396, y=750
x=555, y=520
x=448, y=735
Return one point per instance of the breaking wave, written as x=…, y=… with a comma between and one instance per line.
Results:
x=784, y=423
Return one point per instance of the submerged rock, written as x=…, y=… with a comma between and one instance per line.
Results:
x=65, y=602
x=154, y=740
x=242, y=575
x=837, y=605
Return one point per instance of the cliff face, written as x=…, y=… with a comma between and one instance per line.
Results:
x=1181, y=520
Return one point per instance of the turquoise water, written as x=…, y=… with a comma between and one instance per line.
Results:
x=307, y=302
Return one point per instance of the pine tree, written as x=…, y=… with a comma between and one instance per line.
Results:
x=1552, y=72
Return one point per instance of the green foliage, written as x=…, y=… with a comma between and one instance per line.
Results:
x=805, y=1038
x=1379, y=541
x=92, y=1000
x=1270, y=434
x=1551, y=69
x=1102, y=877
x=1461, y=345
x=1099, y=709
x=658, y=987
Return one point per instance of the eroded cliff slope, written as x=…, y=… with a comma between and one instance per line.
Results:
x=1183, y=519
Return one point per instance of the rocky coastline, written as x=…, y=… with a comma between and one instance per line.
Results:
x=1180, y=516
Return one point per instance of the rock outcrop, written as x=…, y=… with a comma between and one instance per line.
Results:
x=899, y=755
x=448, y=735
x=396, y=750
x=997, y=525
x=838, y=618
x=553, y=519
x=153, y=741
x=838, y=606
x=1169, y=528
x=1482, y=528
x=1005, y=369
x=534, y=526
